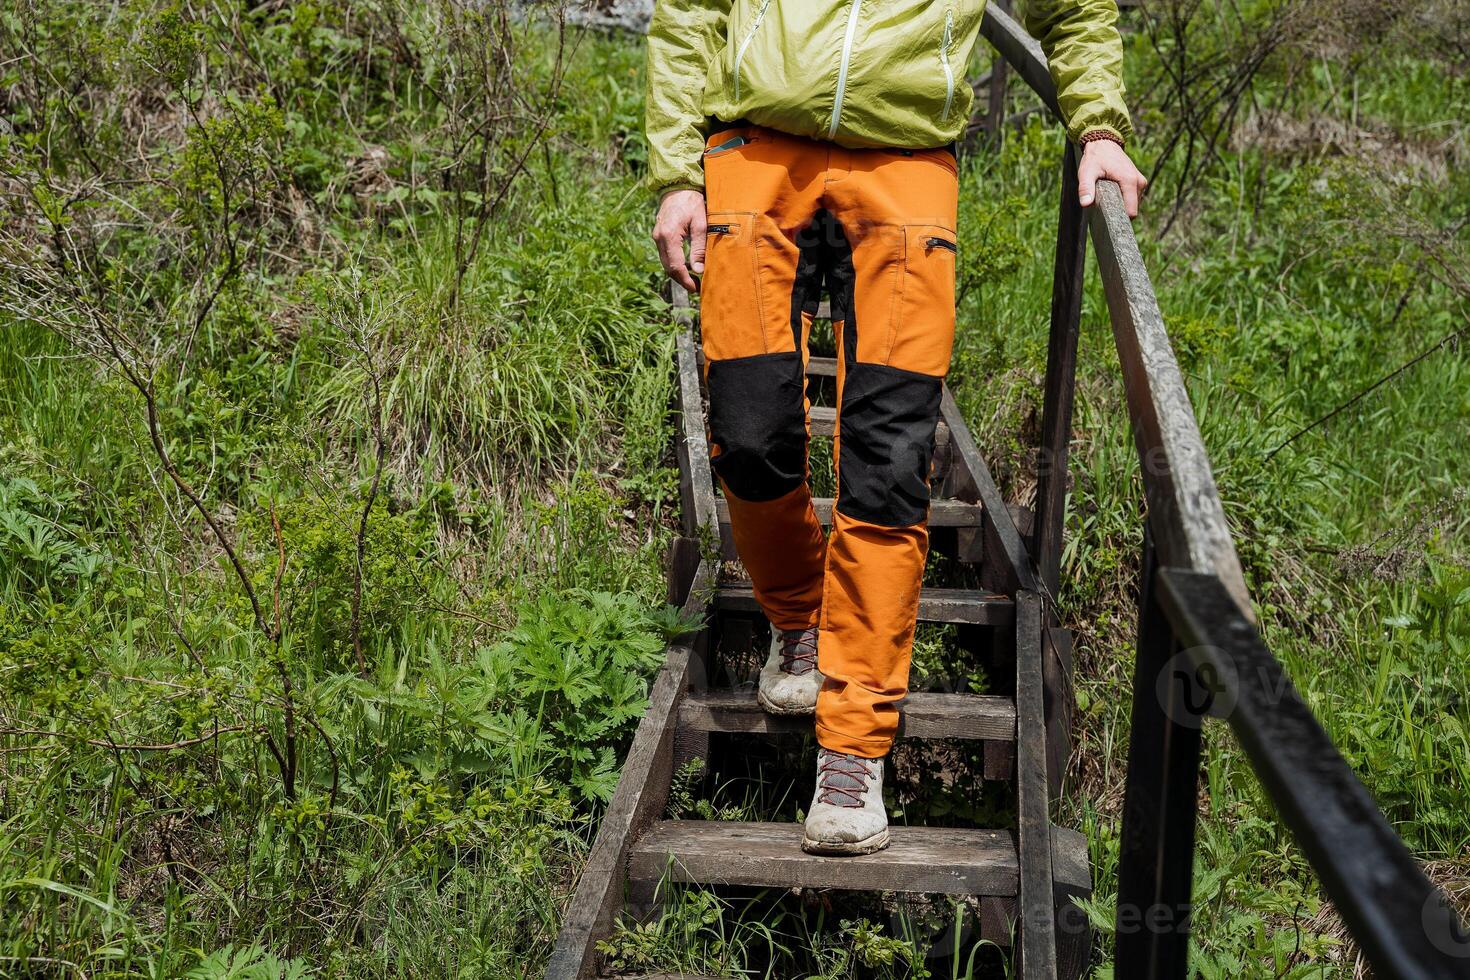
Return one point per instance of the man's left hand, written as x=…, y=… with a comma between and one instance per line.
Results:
x=1106, y=160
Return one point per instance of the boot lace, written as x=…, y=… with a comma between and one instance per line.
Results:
x=842, y=780
x=799, y=651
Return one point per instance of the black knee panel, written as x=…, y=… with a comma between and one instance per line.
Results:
x=888, y=419
x=756, y=418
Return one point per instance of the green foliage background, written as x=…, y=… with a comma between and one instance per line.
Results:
x=390, y=259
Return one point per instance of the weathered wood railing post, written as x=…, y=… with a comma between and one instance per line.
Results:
x=995, y=110
x=1061, y=378
x=1156, y=859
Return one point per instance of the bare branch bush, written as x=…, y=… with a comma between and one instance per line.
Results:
x=145, y=246
x=34, y=292
x=496, y=106
x=1227, y=76
x=1208, y=56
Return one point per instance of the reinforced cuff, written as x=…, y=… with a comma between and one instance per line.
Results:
x=667, y=189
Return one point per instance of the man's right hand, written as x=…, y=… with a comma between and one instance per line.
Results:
x=680, y=219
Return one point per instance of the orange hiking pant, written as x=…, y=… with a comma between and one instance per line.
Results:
x=790, y=218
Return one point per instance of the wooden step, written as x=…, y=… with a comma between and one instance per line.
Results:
x=935, y=605
x=930, y=860
x=822, y=367
x=824, y=423
x=946, y=512
x=922, y=715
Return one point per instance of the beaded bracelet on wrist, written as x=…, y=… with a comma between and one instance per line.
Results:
x=1092, y=136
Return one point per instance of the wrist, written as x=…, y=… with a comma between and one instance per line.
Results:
x=668, y=189
x=1101, y=136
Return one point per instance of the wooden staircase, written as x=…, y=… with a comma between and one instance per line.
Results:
x=1193, y=603
x=1020, y=875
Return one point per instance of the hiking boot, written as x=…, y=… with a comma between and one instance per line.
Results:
x=790, y=679
x=847, y=815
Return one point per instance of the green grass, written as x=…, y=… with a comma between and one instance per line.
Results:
x=1353, y=534
x=448, y=755
x=184, y=791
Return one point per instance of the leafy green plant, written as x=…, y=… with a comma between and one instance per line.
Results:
x=42, y=547
x=689, y=932
x=247, y=963
x=319, y=538
x=578, y=664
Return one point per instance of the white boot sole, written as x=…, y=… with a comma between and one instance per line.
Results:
x=776, y=709
x=870, y=845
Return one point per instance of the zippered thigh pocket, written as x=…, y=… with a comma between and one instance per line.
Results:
x=729, y=325
x=745, y=297
x=923, y=333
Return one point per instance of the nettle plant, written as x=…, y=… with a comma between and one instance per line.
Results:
x=43, y=546
x=576, y=666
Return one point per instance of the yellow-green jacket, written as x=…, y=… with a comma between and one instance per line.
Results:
x=858, y=72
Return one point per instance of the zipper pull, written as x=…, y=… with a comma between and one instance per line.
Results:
x=935, y=242
x=717, y=229
x=729, y=144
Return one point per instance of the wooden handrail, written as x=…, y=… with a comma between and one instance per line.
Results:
x=1023, y=52
x=1185, y=513
x=1197, y=636
x=1184, y=507
x=1402, y=922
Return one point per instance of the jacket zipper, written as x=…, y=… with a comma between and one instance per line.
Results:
x=717, y=230
x=852, y=19
x=934, y=242
x=749, y=36
x=944, y=60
